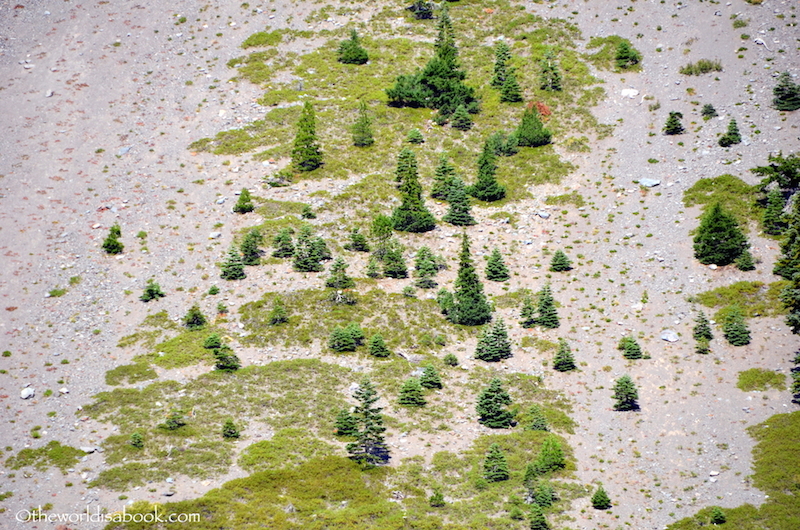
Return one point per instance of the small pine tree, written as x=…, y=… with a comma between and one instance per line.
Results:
x=503, y=144
x=370, y=448
x=284, y=248
x=430, y=378
x=194, y=318
x=734, y=328
x=626, y=56
x=345, y=424
x=175, y=420
x=245, y=202
x=460, y=213
x=787, y=93
x=411, y=394
x=112, y=244
x=356, y=332
x=358, y=242
x=137, y=440
x=551, y=456
x=702, y=347
x=152, y=291
x=625, y=394
x=537, y=519
x=600, y=500
x=443, y=179
x=212, y=342
x=745, y=261
x=411, y=215
x=450, y=360
x=425, y=269
x=486, y=187
x=468, y=305
x=351, y=51
x=339, y=278
x=563, y=360
x=708, y=111
x=415, y=137
x=673, y=125
x=373, y=268
x=394, y=265
x=528, y=313
x=437, y=499
x=496, y=269
x=229, y=430
x=277, y=315
x=542, y=493
x=502, y=55
x=233, y=267
x=717, y=516
x=547, y=316
x=719, y=239
x=227, y=361
x=531, y=132
x=341, y=340
x=560, y=262
x=538, y=422
x=307, y=252
x=362, y=128
x=495, y=466
x=493, y=346
x=422, y=9
x=702, y=328
x=461, y=119
x=491, y=406
x=377, y=347
x=251, y=255
x=510, y=92
x=306, y=154
x=550, y=76
x=773, y=219
x=308, y=212
x=630, y=348
x=731, y=137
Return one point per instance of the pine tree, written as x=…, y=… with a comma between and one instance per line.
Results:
x=370, y=447
x=339, y=278
x=491, y=406
x=284, y=248
x=717, y=516
x=377, y=347
x=538, y=422
x=673, y=125
x=502, y=55
x=460, y=213
x=306, y=252
x=630, y=348
x=702, y=347
x=394, y=265
x=626, y=56
x=537, y=519
x=450, y=360
x=542, y=493
x=708, y=111
x=745, y=261
x=194, y=318
x=531, y=132
x=437, y=499
x=550, y=76
x=547, y=316
x=137, y=440
x=411, y=215
x=355, y=332
x=422, y=9
x=245, y=202
x=504, y=145
x=783, y=170
x=495, y=467
x=563, y=360
x=486, y=187
x=788, y=265
x=790, y=297
x=415, y=137
x=560, y=262
x=625, y=394
x=362, y=128
x=212, y=342
x=600, y=500
x=351, y=51
x=425, y=269
x=430, y=378
x=277, y=315
x=702, y=328
x=345, y=424
x=443, y=179
x=787, y=93
x=550, y=457
x=306, y=154
x=510, y=92
x=496, y=269
x=229, y=430
x=233, y=268
x=493, y=345
x=308, y=212
x=320, y=250
x=734, y=328
x=358, y=242
x=469, y=305
x=341, y=340
x=112, y=244
x=227, y=361
x=528, y=313
x=152, y=291
x=773, y=214
x=719, y=239
x=732, y=136
x=406, y=165
x=373, y=269
x=251, y=255
x=461, y=119
x=411, y=394
x=446, y=301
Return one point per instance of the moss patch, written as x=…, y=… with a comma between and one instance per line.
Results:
x=51, y=455
x=753, y=298
x=760, y=379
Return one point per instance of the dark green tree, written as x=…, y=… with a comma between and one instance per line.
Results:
x=702, y=328
x=787, y=93
x=341, y=340
x=783, y=170
x=362, y=128
x=445, y=301
x=560, y=262
x=277, y=315
x=511, y=92
x=306, y=252
x=673, y=125
x=229, y=430
x=460, y=212
x=550, y=457
x=415, y=136
x=773, y=218
x=339, y=278
x=496, y=269
x=542, y=493
x=563, y=360
x=377, y=347
x=469, y=305
x=373, y=268
x=493, y=344
x=443, y=179
x=717, y=516
x=194, y=318
x=112, y=244
x=719, y=239
x=358, y=242
x=251, y=254
x=528, y=313
x=411, y=215
x=421, y=9
x=152, y=291
x=547, y=317
x=351, y=51
x=137, y=440
x=745, y=261
x=394, y=265
x=320, y=250
x=345, y=424
x=788, y=265
x=212, y=342
x=732, y=136
x=503, y=144
x=734, y=328
x=461, y=119
x=356, y=332
x=306, y=154
x=233, y=267
x=437, y=499
x=600, y=500
x=245, y=202
x=625, y=394
x=486, y=187
x=626, y=56
x=450, y=360
x=702, y=346
x=790, y=297
x=430, y=378
x=381, y=230
x=411, y=394
x=708, y=111
x=550, y=76
x=425, y=269
x=531, y=131
x=370, y=447
x=174, y=421
x=226, y=360
x=307, y=212
x=537, y=519
x=284, y=248
x=495, y=466
x=406, y=166
x=491, y=406
x=502, y=54
x=538, y=421
x=630, y=348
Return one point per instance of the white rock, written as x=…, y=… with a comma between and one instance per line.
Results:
x=215, y=235
x=629, y=92
x=669, y=335
x=27, y=393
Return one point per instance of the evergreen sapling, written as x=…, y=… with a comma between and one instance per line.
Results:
x=496, y=269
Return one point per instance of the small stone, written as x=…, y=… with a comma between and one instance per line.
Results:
x=713, y=473
x=215, y=235
x=713, y=266
x=170, y=480
x=168, y=493
x=48, y=94
x=649, y=183
x=669, y=335
x=27, y=393
x=87, y=449
x=64, y=390
x=543, y=215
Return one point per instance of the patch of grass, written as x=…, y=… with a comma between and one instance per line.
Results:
x=74, y=280
x=51, y=455
x=605, y=56
x=761, y=380
x=271, y=209
x=58, y=291
x=160, y=322
x=703, y=66
x=185, y=349
x=572, y=197
x=753, y=298
x=735, y=196
x=262, y=39
x=129, y=374
x=287, y=448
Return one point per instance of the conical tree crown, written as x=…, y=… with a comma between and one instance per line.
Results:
x=430, y=378
x=495, y=467
x=787, y=93
x=493, y=345
x=547, y=316
x=486, y=188
x=307, y=154
x=284, y=247
x=719, y=239
x=377, y=347
x=460, y=213
x=339, y=278
x=550, y=77
x=625, y=394
x=702, y=328
x=370, y=447
x=560, y=262
x=411, y=394
x=496, y=269
x=600, y=500
x=502, y=55
x=564, y=361
x=735, y=328
x=233, y=268
x=470, y=307
x=443, y=179
x=251, y=255
x=491, y=406
x=362, y=129
x=531, y=132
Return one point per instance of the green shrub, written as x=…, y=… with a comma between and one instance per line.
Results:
x=703, y=66
x=760, y=380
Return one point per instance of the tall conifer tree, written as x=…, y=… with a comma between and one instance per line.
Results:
x=307, y=154
x=470, y=307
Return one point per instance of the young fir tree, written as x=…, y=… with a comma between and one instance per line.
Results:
x=469, y=305
x=538, y=422
x=212, y=342
x=437, y=499
x=307, y=252
x=229, y=430
x=503, y=144
x=460, y=212
x=430, y=378
x=377, y=347
x=345, y=424
x=630, y=348
x=411, y=215
x=560, y=262
x=719, y=239
x=550, y=457
x=226, y=360
x=414, y=136
x=531, y=131
x=702, y=346
x=563, y=360
x=152, y=291
x=112, y=244
x=495, y=466
x=717, y=516
x=373, y=268
x=745, y=261
x=731, y=137
x=788, y=265
x=600, y=500
x=245, y=202
x=547, y=317
x=443, y=179
x=351, y=51
x=550, y=76
x=370, y=448
x=510, y=92
x=394, y=265
x=702, y=328
x=461, y=119
x=542, y=493
x=277, y=315
x=450, y=360
x=356, y=332
x=194, y=318
x=362, y=128
x=537, y=519
x=284, y=247
x=773, y=214
x=787, y=93
x=734, y=328
x=626, y=56
x=496, y=269
x=233, y=267
x=425, y=269
x=491, y=406
x=137, y=440
x=406, y=165
x=358, y=242
x=341, y=340
x=486, y=187
x=528, y=313
x=411, y=394
x=251, y=254
x=502, y=54
x=790, y=297
x=306, y=154
x=339, y=279
x=625, y=394
x=493, y=345
x=673, y=125
x=708, y=111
